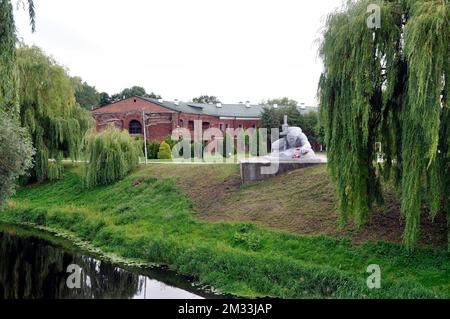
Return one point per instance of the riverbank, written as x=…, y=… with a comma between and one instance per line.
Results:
x=33, y=258
x=147, y=217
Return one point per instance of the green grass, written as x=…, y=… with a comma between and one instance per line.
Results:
x=301, y=202
x=151, y=219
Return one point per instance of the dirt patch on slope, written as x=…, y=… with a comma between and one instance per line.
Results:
x=301, y=202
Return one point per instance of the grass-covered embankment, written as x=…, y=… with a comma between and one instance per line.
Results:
x=149, y=218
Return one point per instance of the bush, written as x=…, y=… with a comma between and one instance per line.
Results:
x=164, y=151
x=112, y=154
x=153, y=149
x=15, y=155
x=171, y=142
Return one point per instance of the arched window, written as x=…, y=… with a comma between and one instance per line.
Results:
x=135, y=127
x=191, y=125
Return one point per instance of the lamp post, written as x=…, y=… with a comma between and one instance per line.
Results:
x=145, y=136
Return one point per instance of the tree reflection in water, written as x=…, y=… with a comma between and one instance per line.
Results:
x=31, y=268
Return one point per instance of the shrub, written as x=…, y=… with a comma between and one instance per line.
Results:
x=164, y=151
x=153, y=149
x=171, y=142
x=15, y=155
x=112, y=154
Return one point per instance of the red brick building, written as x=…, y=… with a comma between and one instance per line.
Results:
x=162, y=116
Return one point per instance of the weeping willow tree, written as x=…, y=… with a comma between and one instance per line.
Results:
x=49, y=111
x=388, y=83
x=8, y=76
x=112, y=154
x=16, y=151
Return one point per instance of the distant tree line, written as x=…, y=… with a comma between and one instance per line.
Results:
x=105, y=99
x=309, y=122
x=206, y=99
x=89, y=98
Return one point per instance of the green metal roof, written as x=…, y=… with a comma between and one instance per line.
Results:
x=224, y=110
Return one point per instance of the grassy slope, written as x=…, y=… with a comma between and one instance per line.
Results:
x=146, y=216
x=300, y=202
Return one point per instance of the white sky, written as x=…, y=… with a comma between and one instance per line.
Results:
x=238, y=50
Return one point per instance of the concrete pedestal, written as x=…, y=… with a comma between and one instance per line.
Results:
x=258, y=169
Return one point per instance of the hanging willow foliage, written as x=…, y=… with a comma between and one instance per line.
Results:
x=16, y=151
x=49, y=111
x=8, y=80
x=8, y=94
x=111, y=154
x=389, y=85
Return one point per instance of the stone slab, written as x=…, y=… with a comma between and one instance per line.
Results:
x=252, y=169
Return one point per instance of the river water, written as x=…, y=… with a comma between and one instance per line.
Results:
x=34, y=268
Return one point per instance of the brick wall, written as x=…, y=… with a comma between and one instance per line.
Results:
x=160, y=121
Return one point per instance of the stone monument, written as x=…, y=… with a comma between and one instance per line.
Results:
x=292, y=151
x=293, y=146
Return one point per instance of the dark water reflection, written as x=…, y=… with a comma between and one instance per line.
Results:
x=32, y=268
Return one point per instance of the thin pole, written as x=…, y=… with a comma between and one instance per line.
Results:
x=145, y=136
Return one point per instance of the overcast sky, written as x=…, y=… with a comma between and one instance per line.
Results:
x=238, y=50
